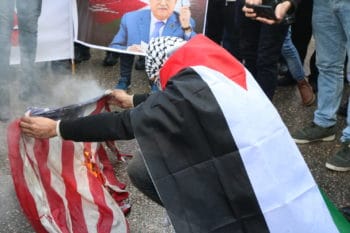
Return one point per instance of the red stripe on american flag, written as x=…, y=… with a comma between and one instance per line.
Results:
x=58, y=212
x=105, y=220
x=73, y=197
x=26, y=200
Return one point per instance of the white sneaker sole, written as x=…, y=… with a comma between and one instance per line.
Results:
x=338, y=169
x=325, y=139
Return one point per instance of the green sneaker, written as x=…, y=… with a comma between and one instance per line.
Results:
x=341, y=160
x=314, y=133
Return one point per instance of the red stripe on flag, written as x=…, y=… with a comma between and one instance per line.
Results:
x=105, y=220
x=25, y=198
x=188, y=55
x=73, y=197
x=58, y=212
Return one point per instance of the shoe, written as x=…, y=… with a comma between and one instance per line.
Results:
x=343, y=109
x=140, y=64
x=123, y=84
x=286, y=80
x=5, y=113
x=314, y=133
x=306, y=92
x=110, y=59
x=341, y=160
x=346, y=212
x=283, y=68
x=81, y=53
x=154, y=88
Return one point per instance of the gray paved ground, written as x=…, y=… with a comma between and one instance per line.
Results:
x=146, y=217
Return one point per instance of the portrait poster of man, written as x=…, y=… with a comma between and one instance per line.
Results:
x=97, y=21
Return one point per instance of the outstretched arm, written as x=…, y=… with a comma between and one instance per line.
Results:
x=100, y=127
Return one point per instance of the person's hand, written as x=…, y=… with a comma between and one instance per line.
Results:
x=249, y=12
x=185, y=17
x=280, y=12
x=121, y=99
x=135, y=48
x=38, y=127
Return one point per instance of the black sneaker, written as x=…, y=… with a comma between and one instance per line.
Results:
x=346, y=212
x=341, y=160
x=110, y=59
x=314, y=133
x=140, y=63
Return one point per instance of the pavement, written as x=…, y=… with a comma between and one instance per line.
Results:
x=62, y=88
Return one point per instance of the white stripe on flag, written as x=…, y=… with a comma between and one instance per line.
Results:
x=57, y=183
x=286, y=191
x=34, y=185
x=90, y=210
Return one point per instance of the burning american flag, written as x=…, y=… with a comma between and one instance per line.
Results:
x=66, y=186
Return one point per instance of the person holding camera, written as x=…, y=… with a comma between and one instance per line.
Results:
x=263, y=30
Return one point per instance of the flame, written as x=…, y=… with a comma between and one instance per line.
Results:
x=92, y=166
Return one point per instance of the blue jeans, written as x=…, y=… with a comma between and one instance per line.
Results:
x=292, y=58
x=331, y=25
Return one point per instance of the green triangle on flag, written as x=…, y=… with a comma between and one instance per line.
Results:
x=340, y=221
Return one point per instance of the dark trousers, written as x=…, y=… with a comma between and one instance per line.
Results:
x=126, y=62
x=260, y=47
x=222, y=25
x=141, y=179
x=302, y=27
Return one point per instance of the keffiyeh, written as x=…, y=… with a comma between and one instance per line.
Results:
x=158, y=51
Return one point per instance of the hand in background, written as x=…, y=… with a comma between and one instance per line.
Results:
x=38, y=127
x=280, y=12
x=121, y=99
x=185, y=16
x=135, y=48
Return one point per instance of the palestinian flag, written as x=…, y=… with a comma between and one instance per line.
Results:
x=219, y=154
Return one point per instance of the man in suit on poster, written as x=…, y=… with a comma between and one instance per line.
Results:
x=137, y=27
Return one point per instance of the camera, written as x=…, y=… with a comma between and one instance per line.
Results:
x=267, y=10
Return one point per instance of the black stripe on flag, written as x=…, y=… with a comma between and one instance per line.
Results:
x=194, y=160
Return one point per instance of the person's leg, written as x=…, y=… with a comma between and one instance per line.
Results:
x=268, y=54
x=330, y=41
x=6, y=26
x=302, y=28
x=295, y=67
x=28, y=14
x=231, y=15
x=111, y=58
x=249, y=40
x=291, y=56
x=214, y=25
x=126, y=62
x=81, y=52
x=141, y=179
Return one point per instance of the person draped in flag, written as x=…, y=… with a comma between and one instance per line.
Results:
x=212, y=146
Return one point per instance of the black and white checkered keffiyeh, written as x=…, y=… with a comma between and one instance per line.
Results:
x=158, y=51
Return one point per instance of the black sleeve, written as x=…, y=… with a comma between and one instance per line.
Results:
x=139, y=98
x=100, y=127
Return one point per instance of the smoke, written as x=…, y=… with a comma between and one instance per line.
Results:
x=73, y=90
